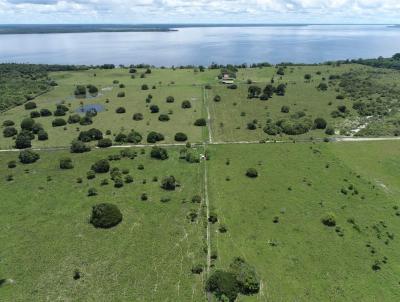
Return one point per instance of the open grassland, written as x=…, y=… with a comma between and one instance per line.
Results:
x=274, y=220
x=45, y=234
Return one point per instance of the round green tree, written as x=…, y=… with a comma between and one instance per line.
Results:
x=105, y=215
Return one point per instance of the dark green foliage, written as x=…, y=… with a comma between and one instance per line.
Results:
x=169, y=183
x=12, y=164
x=27, y=124
x=137, y=117
x=268, y=91
x=9, y=131
x=253, y=92
x=232, y=86
x=180, y=137
x=120, y=110
x=118, y=182
x=323, y=86
x=104, y=143
x=90, y=175
x=45, y=112
x=285, y=109
x=101, y=166
x=213, y=218
x=186, y=104
x=85, y=120
x=217, y=99
x=90, y=135
x=8, y=123
x=223, y=283
x=252, y=173
x=128, y=179
x=154, y=109
x=280, y=71
x=307, y=77
x=42, y=135
x=92, y=192
x=80, y=90
x=74, y=119
x=280, y=90
x=319, y=123
x=23, y=140
x=59, y=122
x=200, y=122
x=159, y=153
x=28, y=157
x=248, y=281
x=170, y=99
x=30, y=105
x=330, y=131
x=163, y=118
x=105, y=215
x=197, y=269
x=145, y=87
x=329, y=220
x=35, y=114
x=79, y=147
x=251, y=126
x=92, y=89
x=66, y=163
x=154, y=137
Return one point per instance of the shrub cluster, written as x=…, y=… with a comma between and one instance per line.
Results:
x=105, y=215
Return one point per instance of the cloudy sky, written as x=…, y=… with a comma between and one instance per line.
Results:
x=200, y=11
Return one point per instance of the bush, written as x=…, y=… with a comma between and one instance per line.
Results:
x=246, y=277
x=59, y=122
x=323, y=86
x=23, y=140
x=92, y=89
x=329, y=220
x=285, y=109
x=36, y=128
x=90, y=175
x=79, y=147
x=154, y=109
x=128, y=179
x=163, y=118
x=251, y=126
x=66, y=163
x=145, y=87
x=35, y=114
x=159, y=153
x=92, y=192
x=232, y=86
x=217, y=98
x=42, y=135
x=101, y=166
x=280, y=90
x=181, y=137
x=252, y=173
x=74, y=119
x=80, y=90
x=307, y=77
x=8, y=123
x=254, y=92
x=85, y=120
x=200, y=122
x=104, y=143
x=197, y=269
x=186, y=104
x=330, y=131
x=118, y=183
x=223, y=283
x=319, y=123
x=45, y=112
x=30, y=105
x=28, y=157
x=169, y=183
x=27, y=124
x=120, y=110
x=90, y=135
x=105, y=215
x=9, y=132
x=137, y=117
x=154, y=137
x=170, y=99
x=12, y=164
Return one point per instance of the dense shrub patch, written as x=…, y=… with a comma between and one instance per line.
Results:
x=105, y=215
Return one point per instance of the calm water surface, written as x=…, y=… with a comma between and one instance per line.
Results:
x=306, y=44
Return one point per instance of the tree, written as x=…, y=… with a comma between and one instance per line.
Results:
x=101, y=166
x=105, y=215
x=269, y=90
x=154, y=137
x=319, y=123
x=246, y=277
x=200, y=122
x=104, y=143
x=163, y=118
x=170, y=99
x=30, y=105
x=59, y=122
x=329, y=220
x=8, y=123
x=307, y=76
x=285, y=109
x=281, y=71
x=36, y=128
x=92, y=89
x=9, y=132
x=80, y=90
x=217, y=98
x=137, y=117
x=254, y=92
x=27, y=124
x=23, y=140
x=90, y=135
x=45, y=112
x=145, y=87
x=154, y=109
x=79, y=147
x=74, y=119
x=28, y=157
x=134, y=137
x=323, y=86
x=35, y=114
x=85, y=120
x=121, y=94
x=252, y=173
x=42, y=135
x=186, y=104
x=281, y=89
x=66, y=163
x=181, y=137
x=330, y=131
x=159, y=153
x=222, y=284
x=169, y=183
x=120, y=110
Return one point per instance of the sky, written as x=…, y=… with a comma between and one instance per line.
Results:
x=199, y=11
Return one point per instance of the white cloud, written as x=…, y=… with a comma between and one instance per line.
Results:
x=233, y=11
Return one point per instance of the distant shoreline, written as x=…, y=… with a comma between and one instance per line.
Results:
x=13, y=29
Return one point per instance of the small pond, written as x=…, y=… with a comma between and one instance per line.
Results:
x=90, y=107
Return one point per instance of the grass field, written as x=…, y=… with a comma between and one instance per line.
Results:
x=299, y=183
x=45, y=234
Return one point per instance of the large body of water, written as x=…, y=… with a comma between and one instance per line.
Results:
x=204, y=45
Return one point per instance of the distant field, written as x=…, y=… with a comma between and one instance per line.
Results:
x=299, y=183
x=45, y=235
